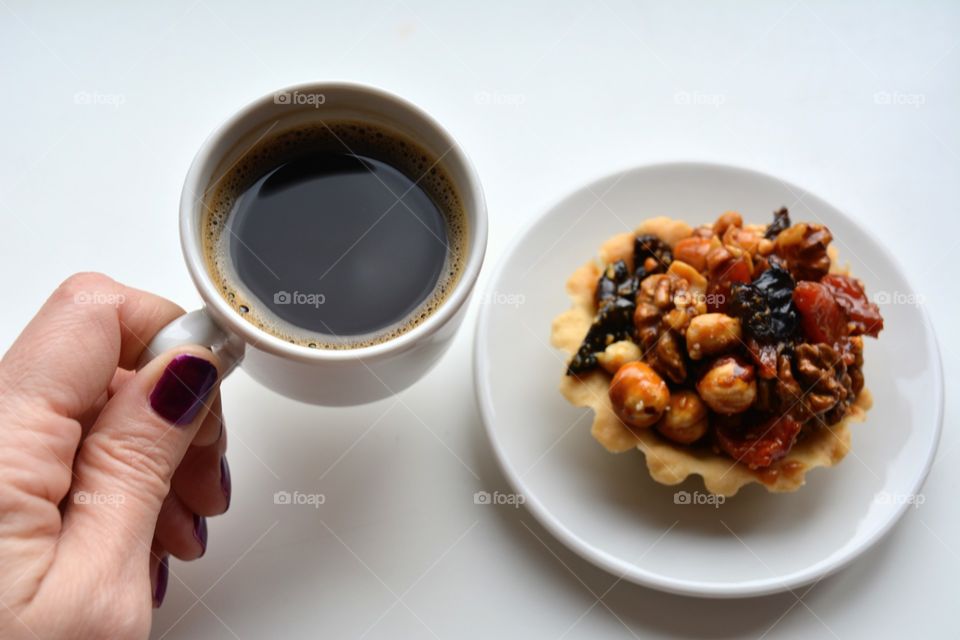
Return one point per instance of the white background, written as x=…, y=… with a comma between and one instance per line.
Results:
x=104, y=106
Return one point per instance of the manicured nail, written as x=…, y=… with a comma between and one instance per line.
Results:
x=183, y=388
x=160, y=589
x=225, y=479
x=200, y=532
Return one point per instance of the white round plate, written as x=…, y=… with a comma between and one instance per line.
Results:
x=605, y=507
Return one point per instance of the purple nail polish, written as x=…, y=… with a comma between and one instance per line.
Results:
x=225, y=479
x=182, y=388
x=163, y=575
x=200, y=532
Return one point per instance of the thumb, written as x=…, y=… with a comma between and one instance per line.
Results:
x=125, y=464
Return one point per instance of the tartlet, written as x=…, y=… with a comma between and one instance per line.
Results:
x=729, y=351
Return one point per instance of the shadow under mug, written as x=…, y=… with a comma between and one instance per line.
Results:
x=321, y=376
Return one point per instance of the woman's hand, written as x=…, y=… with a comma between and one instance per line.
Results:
x=104, y=472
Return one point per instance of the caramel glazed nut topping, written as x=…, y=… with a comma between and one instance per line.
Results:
x=736, y=339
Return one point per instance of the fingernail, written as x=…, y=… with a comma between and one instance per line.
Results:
x=182, y=388
x=225, y=479
x=160, y=588
x=200, y=532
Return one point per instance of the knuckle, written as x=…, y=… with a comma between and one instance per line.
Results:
x=136, y=455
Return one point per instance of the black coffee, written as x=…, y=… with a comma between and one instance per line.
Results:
x=335, y=236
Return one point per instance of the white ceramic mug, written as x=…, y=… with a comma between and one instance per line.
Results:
x=328, y=377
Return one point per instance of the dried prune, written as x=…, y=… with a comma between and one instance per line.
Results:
x=781, y=220
x=765, y=306
x=616, y=300
x=615, y=295
x=821, y=317
x=650, y=255
x=614, y=322
x=863, y=316
x=612, y=277
x=583, y=360
x=758, y=444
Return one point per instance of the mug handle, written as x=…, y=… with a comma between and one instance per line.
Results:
x=196, y=327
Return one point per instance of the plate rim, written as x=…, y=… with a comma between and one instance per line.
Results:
x=629, y=571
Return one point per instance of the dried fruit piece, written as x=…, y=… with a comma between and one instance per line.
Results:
x=650, y=255
x=614, y=322
x=615, y=293
x=821, y=317
x=765, y=306
x=781, y=221
x=758, y=444
x=863, y=316
x=612, y=278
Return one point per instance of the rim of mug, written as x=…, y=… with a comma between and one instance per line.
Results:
x=190, y=237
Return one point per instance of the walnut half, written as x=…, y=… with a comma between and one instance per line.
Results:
x=817, y=384
x=803, y=248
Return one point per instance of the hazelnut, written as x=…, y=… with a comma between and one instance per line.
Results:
x=685, y=419
x=618, y=354
x=638, y=394
x=743, y=238
x=693, y=251
x=703, y=231
x=729, y=386
x=727, y=220
x=711, y=334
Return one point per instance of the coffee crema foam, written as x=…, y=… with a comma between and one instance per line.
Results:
x=343, y=136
